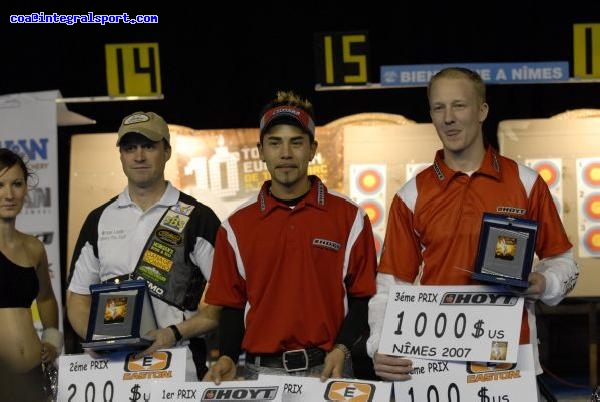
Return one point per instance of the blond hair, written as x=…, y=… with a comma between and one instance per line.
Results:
x=460, y=72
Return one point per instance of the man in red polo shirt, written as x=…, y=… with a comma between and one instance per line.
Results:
x=294, y=266
x=432, y=235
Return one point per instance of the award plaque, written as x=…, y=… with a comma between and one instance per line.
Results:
x=506, y=250
x=119, y=315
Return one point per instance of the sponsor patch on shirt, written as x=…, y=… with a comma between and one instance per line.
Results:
x=182, y=208
x=329, y=244
x=511, y=210
x=157, y=261
x=168, y=236
x=174, y=221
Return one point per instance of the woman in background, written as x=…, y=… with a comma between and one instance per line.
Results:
x=24, y=277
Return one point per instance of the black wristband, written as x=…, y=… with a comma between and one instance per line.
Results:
x=176, y=333
x=231, y=332
x=355, y=323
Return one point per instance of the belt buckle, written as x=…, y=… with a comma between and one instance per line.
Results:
x=285, y=362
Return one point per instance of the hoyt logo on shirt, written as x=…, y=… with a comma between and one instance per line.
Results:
x=511, y=210
x=324, y=243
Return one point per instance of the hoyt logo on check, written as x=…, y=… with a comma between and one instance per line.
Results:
x=479, y=299
x=239, y=394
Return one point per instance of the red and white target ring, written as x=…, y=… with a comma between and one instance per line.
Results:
x=374, y=210
x=369, y=181
x=591, y=240
x=549, y=172
x=591, y=174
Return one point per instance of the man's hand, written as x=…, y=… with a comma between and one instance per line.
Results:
x=163, y=338
x=224, y=369
x=334, y=364
x=537, y=286
x=392, y=368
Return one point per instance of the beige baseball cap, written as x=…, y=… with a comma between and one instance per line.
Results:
x=148, y=124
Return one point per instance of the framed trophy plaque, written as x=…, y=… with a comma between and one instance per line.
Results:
x=506, y=250
x=120, y=314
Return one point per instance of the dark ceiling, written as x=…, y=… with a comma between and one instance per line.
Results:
x=219, y=67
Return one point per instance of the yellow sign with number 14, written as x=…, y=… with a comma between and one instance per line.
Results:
x=132, y=69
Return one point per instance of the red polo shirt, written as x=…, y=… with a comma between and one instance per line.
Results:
x=292, y=269
x=435, y=220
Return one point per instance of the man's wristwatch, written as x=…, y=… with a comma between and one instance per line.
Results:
x=176, y=332
x=343, y=348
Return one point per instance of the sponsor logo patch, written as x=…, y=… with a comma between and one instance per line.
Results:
x=153, y=367
x=174, y=221
x=157, y=260
x=170, y=237
x=511, y=210
x=479, y=298
x=329, y=244
x=479, y=367
x=239, y=394
x=160, y=360
x=485, y=372
x=183, y=208
x=349, y=391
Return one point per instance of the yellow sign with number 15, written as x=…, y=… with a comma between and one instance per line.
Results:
x=342, y=58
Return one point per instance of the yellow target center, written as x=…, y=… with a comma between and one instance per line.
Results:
x=595, y=240
x=369, y=181
x=546, y=174
x=371, y=213
x=595, y=208
x=595, y=174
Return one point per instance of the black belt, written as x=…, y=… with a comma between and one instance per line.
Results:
x=291, y=360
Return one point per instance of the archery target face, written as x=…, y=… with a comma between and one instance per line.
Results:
x=591, y=240
x=551, y=171
x=588, y=206
x=590, y=173
x=368, y=190
x=374, y=210
x=369, y=181
x=591, y=206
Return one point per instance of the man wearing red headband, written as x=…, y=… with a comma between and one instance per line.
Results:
x=294, y=267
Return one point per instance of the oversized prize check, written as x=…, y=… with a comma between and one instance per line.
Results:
x=251, y=390
x=435, y=380
x=274, y=388
x=311, y=389
x=457, y=323
x=118, y=376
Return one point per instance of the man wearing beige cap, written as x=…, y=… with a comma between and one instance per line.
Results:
x=150, y=231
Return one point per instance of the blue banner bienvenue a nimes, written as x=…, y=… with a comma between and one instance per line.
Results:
x=492, y=73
